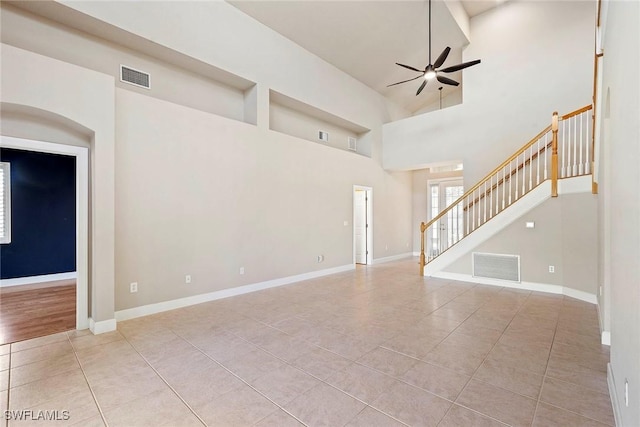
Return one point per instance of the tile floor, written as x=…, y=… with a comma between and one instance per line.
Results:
x=379, y=346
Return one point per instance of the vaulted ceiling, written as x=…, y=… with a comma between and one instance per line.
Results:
x=366, y=38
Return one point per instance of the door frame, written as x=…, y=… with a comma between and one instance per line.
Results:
x=82, y=213
x=369, y=216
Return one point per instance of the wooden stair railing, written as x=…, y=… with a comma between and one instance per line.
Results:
x=561, y=150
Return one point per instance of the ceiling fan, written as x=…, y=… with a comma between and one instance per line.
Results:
x=433, y=70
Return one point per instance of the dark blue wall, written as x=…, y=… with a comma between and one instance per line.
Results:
x=43, y=215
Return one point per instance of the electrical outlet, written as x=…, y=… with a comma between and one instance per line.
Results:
x=320, y=258
x=241, y=270
x=552, y=269
x=600, y=290
x=187, y=278
x=133, y=287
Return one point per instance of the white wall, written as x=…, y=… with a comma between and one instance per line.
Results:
x=203, y=195
x=537, y=57
x=195, y=192
x=564, y=236
x=621, y=180
x=36, y=85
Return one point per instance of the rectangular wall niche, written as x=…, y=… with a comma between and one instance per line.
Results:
x=296, y=118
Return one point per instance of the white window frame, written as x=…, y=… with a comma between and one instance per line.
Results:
x=6, y=202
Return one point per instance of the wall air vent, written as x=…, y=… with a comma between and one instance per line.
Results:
x=352, y=143
x=496, y=266
x=135, y=77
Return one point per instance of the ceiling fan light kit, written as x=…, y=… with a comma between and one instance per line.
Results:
x=432, y=71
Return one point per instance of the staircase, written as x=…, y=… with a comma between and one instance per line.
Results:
x=562, y=150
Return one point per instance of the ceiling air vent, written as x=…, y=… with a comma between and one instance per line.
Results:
x=352, y=143
x=135, y=77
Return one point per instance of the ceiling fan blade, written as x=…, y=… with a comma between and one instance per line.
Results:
x=404, y=81
x=459, y=66
x=410, y=68
x=424, y=83
x=447, y=81
x=442, y=57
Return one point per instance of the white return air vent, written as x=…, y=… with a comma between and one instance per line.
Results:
x=323, y=136
x=135, y=77
x=496, y=266
x=352, y=143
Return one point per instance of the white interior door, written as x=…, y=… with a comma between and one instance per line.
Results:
x=360, y=225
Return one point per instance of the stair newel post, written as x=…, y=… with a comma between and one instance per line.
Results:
x=554, y=155
x=423, y=228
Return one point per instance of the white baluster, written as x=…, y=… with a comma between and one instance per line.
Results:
x=563, y=172
x=490, y=196
x=504, y=185
x=538, y=162
x=484, y=196
x=530, y=167
x=524, y=173
x=580, y=168
x=517, y=185
x=546, y=143
x=587, y=164
x=575, y=146
x=510, y=179
x=497, y=190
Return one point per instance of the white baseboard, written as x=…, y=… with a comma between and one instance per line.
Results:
x=148, y=309
x=617, y=415
x=606, y=338
x=529, y=286
x=102, y=326
x=37, y=279
x=393, y=258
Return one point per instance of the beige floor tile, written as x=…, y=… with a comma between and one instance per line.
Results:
x=96, y=421
x=43, y=352
x=78, y=333
x=279, y=418
x=361, y=382
x=4, y=398
x=588, y=403
x=516, y=380
x=470, y=342
x=45, y=368
x=113, y=391
x=252, y=365
x=417, y=346
x=284, y=384
x=86, y=341
x=67, y=409
x=5, y=349
x=106, y=354
x=225, y=346
x=551, y=416
x=412, y=405
x=495, y=402
x=324, y=405
x=460, y=417
x=286, y=347
x=387, y=361
x=461, y=359
x=201, y=385
x=436, y=379
x=487, y=335
x=347, y=346
x=369, y=417
x=241, y=407
x=321, y=363
x=37, y=342
x=4, y=380
x=532, y=358
x=47, y=389
x=4, y=362
x=593, y=360
x=574, y=373
x=162, y=408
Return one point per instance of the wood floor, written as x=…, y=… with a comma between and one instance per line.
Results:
x=32, y=311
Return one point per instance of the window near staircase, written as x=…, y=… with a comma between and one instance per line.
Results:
x=5, y=202
x=448, y=229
